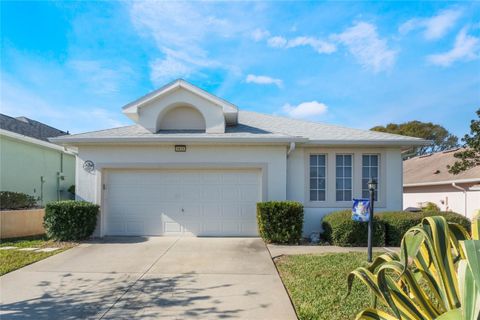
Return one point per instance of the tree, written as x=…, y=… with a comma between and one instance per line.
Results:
x=470, y=157
x=441, y=138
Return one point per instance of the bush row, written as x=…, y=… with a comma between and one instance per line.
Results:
x=339, y=229
x=16, y=200
x=389, y=227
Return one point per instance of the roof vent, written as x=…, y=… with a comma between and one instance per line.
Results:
x=436, y=171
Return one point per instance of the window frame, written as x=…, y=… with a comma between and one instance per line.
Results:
x=325, y=155
x=378, y=178
x=351, y=177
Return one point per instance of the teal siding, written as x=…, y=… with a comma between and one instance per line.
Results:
x=35, y=170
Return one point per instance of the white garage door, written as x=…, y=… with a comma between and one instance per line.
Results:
x=182, y=202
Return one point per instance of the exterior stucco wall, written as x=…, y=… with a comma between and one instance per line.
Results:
x=270, y=159
x=390, y=181
x=446, y=197
x=283, y=178
x=23, y=164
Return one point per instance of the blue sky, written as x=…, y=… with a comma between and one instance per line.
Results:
x=73, y=65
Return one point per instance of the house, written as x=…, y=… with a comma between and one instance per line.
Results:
x=195, y=164
x=29, y=163
x=426, y=179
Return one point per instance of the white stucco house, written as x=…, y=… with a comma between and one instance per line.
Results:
x=194, y=164
x=426, y=179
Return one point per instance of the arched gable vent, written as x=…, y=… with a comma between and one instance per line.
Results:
x=182, y=117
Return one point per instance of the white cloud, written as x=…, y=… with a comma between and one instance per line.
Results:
x=465, y=48
x=99, y=77
x=277, y=42
x=260, y=34
x=434, y=27
x=180, y=30
x=364, y=43
x=163, y=70
x=251, y=78
x=305, y=110
x=316, y=44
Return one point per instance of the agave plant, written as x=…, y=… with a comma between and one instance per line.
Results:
x=435, y=276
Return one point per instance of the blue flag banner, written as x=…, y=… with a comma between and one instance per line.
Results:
x=361, y=210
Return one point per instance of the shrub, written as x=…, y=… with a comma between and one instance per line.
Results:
x=70, y=220
x=398, y=222
x=430, y=206
x=280, y=221
x=16, y=200
x=339, y=229
x=451, y=217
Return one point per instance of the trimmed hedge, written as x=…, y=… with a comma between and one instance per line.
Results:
x=70, y=220
x=398, y=222
x=280, y=221
x=16, y=200
x=339, y=229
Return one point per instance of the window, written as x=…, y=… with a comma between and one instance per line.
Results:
x=317, y=177
x=343, y=167
x=370, y=166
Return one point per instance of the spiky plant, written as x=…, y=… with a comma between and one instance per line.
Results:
x=435, y=276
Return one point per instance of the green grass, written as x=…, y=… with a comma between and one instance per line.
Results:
x=317, y=285
x=13, y=259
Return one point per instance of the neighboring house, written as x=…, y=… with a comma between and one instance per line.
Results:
x=194, y=164
x=426, y=179
x=29, y=163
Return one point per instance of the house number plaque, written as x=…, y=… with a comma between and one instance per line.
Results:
x=180, y=148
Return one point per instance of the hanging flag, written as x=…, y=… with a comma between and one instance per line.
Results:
x=361, y=210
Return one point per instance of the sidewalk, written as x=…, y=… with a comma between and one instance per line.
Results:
x=278, y=250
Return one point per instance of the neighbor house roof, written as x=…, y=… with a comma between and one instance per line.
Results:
x=252, y=127
x=29, y=127
x=432, y=169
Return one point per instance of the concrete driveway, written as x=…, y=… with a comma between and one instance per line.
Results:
x=150, y=278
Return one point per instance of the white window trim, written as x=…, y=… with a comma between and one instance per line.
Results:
x=330, y=153
x=347, y=202
x=379, y=175
x=326, y=177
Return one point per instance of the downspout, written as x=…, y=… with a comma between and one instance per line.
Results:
x=464, y=195
x=291, y=148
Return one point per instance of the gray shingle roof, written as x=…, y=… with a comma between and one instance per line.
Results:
x=29, y=127
x=432, y=169
x=253, y=125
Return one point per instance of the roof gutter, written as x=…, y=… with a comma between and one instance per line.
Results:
x=170, y=140
x=386, y=143
x=35, y=141
x=437, y=183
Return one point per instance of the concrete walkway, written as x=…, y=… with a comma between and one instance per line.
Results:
x=279, y=250
x=150, y=278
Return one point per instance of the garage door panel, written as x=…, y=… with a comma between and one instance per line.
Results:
x=214, y=202
x=211, y=193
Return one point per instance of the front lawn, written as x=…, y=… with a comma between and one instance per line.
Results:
x=317, y=285
x=13, y=259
